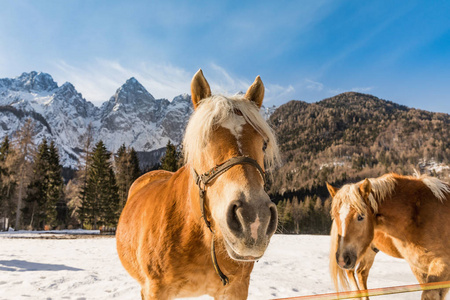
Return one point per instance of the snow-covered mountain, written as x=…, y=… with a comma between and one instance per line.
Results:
x=266, y=112
x=132, y=116
x=140, y=120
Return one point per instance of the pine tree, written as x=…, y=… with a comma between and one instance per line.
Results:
x=101, y=193
x=122, y=170
x=296, y=214
x=56, y=205
x=319, y=216
x=35, y=203
x=4, y=151
x=79, y=184
x=169, y=161
x=43, y=203
x=127, y=171
x=288, y=220
x=7, y=182
x=134, y=161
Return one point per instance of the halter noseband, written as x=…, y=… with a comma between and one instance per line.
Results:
x=204, y=179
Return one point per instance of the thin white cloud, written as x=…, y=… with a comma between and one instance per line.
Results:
x=279, y=94
x=362, y=89
x=225, y=83
x=99, y=80
x=356, y=89
x=336, y=91
x=362, y=41
x=313, y=85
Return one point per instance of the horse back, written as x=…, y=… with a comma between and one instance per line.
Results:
x=145, y=199
x=146, y=179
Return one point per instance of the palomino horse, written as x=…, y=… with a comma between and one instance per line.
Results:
x=183, y=234
x=347, y=278
x=405, y=217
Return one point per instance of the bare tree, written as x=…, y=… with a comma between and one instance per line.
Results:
x=24, y=155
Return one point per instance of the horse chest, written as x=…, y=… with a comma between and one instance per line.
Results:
x=415, y=255
x=200, y=284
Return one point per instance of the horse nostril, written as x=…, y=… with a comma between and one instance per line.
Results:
x=233, y=220
x=273, y=221
x=347, y=259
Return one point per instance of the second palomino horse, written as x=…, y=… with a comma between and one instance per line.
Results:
x=406, y=217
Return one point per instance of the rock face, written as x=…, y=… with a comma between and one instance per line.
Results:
x=141, y=120
x=132, y=116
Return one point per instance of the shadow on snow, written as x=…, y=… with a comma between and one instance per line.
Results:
x=24, y=266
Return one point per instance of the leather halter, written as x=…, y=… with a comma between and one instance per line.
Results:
x=204, y=179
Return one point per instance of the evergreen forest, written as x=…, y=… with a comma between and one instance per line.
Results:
x=338, y=140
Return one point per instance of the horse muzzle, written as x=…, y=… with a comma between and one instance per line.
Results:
x=347, y=260
x=249, y=228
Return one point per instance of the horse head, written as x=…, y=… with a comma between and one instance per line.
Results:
x=236, y=204
x=354, y=221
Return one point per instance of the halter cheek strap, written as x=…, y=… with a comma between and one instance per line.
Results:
x=204, y=179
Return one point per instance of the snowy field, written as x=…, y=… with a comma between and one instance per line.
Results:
x=88, y=268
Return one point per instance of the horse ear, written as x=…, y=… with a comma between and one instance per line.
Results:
x=332, y=190
x=255, y=92
x=365, y=189
x=199, y=88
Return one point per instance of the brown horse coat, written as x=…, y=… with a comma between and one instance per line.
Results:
x=406, y=217
x=182, y=264
x=162, y=240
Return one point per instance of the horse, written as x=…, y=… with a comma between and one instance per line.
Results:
x=404, y=216
x=199, y=230
x=356, y=278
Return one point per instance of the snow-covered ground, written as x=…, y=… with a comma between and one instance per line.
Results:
x=88, y=268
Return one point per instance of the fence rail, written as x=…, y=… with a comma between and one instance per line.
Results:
x=375, y=292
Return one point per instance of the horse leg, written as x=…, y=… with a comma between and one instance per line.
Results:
x=352, y=279
x=153, y=292
x=437, y=271
x=364, y=268
x=420, y=276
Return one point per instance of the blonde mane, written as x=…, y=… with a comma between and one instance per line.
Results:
x=383, y=187
x=214, y=111
x=437, y=186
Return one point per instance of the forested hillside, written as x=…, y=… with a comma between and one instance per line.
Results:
x=338, y=140
x=352, y=136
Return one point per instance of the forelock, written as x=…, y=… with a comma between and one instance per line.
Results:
x=214, y=111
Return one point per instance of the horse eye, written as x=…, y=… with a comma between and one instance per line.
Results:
x=264, y=147
x=360, y=218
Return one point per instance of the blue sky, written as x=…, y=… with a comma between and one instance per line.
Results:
x=303, y=50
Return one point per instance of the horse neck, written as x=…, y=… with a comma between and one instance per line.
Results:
x=399, y=210
x=189, y=199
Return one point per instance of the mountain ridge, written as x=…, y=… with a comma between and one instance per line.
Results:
x=340, y=138
x=351, y=136
x=131, y=116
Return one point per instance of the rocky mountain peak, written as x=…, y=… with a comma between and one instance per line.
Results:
x=130, y=96
x=183, y=98
x=131, y=116
x=132, y=87
x=36, y=81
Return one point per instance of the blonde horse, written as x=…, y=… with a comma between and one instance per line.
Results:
x=356, y=278
x=199, y=230
x=405, y=217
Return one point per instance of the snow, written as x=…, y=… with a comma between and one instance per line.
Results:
x=89, y=268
